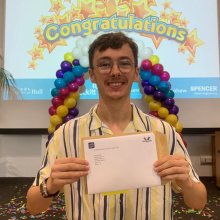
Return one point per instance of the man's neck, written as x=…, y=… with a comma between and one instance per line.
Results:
x=115, y=115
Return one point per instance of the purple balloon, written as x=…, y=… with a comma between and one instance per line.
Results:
x=59, y=74
x=73, y=86
x=144, y=83
x=169, y=102
x=74, y=112
x=80, y=81
x=164, y=76
x=149, y=90
x=76, y=62
x=158, y=95
x=66, y=66
x=174, y=110
x=67, y=118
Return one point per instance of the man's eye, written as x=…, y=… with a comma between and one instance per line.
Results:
x=125, y=63
x=104, y=65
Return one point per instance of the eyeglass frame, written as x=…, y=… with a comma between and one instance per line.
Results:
x=132, y=65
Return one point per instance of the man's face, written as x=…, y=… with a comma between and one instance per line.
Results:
x=114, y=72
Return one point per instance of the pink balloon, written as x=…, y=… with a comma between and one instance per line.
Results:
x=64, y=92
x=146, y=64
x=164, y=76
x=57, y=101
x=80, y=81
x=157, y=69
x=52, y=110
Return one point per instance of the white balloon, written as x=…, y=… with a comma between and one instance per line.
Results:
x=79, y=42
x=76, y=52
x=84, y=61
x=85, y=50
x=140, y=44
x=146, y=53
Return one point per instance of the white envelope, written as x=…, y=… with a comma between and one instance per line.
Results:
x=121, y=162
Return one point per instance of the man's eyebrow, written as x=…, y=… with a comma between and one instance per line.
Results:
x=109, y=58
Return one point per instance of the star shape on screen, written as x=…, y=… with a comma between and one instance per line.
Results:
x=192, y=42
x=50, y=46
x=155, y=39
x=151, y=3
x=166, y=5
x=141, y=9
x=36, y=52
x=101, y=10
x=56, y=6
x=38, y=31
x=164, y=16
x=63, y=19
x=175, y=17
x=87, y=8
x=123, y=10
x=184, y=23
x=32, y=65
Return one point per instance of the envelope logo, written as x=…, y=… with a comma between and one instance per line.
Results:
x=146, y=139
x=91, y=145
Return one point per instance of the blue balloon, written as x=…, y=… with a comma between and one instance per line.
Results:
x=170, y=94
x=60, y=83
x=164, y=86
x=68, y=76
x=78, y=71
x=154, y=80
x=145, y=74
x=54, y=92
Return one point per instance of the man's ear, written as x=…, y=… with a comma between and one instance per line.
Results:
x=91, y=75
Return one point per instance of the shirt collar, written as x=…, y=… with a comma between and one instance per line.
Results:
x=139, y=119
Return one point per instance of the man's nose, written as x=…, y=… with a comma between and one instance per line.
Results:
x=115, y=71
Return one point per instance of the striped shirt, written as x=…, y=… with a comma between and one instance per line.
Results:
x=153, y=203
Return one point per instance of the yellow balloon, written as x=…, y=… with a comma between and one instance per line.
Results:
x=68, y=57
x=51, y=129
x=172, y=119
x=70, y=102
x=55, y=120
x=75, y=95
x=179, y=127
x=148, y=98
x=62, y=110
x=154, y=59
x=154, y=105
x=163, y=112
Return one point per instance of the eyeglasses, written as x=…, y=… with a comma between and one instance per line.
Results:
x=124, y=65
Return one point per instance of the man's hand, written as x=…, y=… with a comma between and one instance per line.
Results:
x=174, y=167
x=66, y=171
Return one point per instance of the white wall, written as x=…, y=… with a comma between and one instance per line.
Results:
x=20, y=155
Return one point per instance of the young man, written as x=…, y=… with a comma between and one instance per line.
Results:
x=113, y=67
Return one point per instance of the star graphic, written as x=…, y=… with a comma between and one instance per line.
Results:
x=151, y=3
x=100, y=9
x=32, y=65
x=62, y=19
x=111, y=7
x=36, y=52
x=191, y=60
x=141, y=10
x=87, y=8
x=50, y=46
x=156, y=39
x=38, y=31
x=68, y=1
x=166, y=4
x=123, y=10
x=43, y=20
x=175, y=17
x=192, y=42
x=164, y=16
x=56, y=6
x=74, y=12
x=184, y=23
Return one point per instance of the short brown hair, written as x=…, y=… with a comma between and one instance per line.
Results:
x=114, y=41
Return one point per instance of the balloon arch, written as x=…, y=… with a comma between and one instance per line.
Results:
x=71, y=76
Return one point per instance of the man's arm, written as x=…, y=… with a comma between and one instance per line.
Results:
x=64, y=171
x=176, y=168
